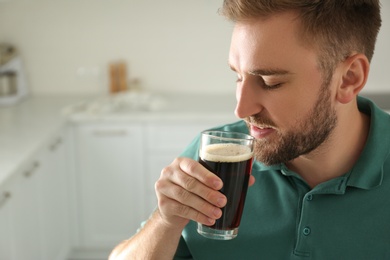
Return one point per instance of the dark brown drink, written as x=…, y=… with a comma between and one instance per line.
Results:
x=233, y=164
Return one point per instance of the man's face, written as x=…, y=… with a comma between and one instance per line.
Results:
x=281, y=93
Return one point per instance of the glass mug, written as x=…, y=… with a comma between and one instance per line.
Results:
x=229, y=155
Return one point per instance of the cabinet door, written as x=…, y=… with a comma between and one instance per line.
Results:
x=26, y=213
x=6, y=225
x=34, y=209
x=110, y=168
x=55, y=203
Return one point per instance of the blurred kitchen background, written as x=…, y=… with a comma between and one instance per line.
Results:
x=171, y=45
x=96, y=97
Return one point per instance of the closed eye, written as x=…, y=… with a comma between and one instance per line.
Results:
x=271, y=87
x=262, y=83
x=266, y=86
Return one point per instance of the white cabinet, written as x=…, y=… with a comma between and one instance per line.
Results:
x=7, y=249
x=110, y=172
x=55, y=217
x=20, y=216
x=27, y=209
x=34, y=210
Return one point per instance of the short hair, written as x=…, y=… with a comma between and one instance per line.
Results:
x=335, y=28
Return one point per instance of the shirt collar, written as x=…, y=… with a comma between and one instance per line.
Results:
x=367, y=173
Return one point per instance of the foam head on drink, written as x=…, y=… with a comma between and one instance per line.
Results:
x=233, y=164
x=226, y=152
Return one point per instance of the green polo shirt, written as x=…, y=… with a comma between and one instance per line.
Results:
x=345, y=218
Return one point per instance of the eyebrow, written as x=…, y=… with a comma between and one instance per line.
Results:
x=269, y=72
x=264, y=72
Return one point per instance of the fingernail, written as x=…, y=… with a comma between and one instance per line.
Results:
x=217, y=185
x=217, y=212
x=210, y=221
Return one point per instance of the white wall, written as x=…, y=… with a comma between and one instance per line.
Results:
x=378, y=80
x=171, y=45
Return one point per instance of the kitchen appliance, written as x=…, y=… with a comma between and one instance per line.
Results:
x=13, y=85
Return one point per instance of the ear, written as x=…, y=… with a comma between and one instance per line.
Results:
x=354, y=76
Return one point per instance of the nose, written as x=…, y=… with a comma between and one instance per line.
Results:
x=247, y=101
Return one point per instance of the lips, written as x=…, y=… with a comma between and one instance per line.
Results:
x=261, y=132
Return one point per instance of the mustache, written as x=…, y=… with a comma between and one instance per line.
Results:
x=258, y=120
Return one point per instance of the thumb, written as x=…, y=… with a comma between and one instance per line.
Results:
x=251, y=180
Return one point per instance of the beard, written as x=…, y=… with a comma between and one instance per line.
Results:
x=305, y=137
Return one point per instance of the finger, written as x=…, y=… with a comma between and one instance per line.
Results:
x=251, y=180
x=199, y=172
x=174, y=175
x=184, y=211
x=191, y=187
x=199, y=197
x=194, y=200
x=170, y=206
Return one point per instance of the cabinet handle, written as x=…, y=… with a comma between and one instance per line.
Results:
x=55, y=144
x=32, y=170
x=108, y=133
x=3, y=199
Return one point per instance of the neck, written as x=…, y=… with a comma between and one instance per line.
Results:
x=338, y=154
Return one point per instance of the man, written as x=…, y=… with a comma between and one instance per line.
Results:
x=322, y=169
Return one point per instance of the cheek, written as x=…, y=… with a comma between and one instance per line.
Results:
x=307, y=92
x=292, y=107
x=285, y=109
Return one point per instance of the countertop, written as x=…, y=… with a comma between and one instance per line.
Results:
x=28, y=126
x=146, y=107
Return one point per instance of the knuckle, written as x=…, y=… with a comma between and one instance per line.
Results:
x=182, y=194
x=183, y=210
x=188, y=165
x=190, y=184
x=209, y=195
x=165, y=172
x=177, y=160
x=205, y=207
x=164, y=204
x=158, y=185
x=198, y=216
x=161, y=202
